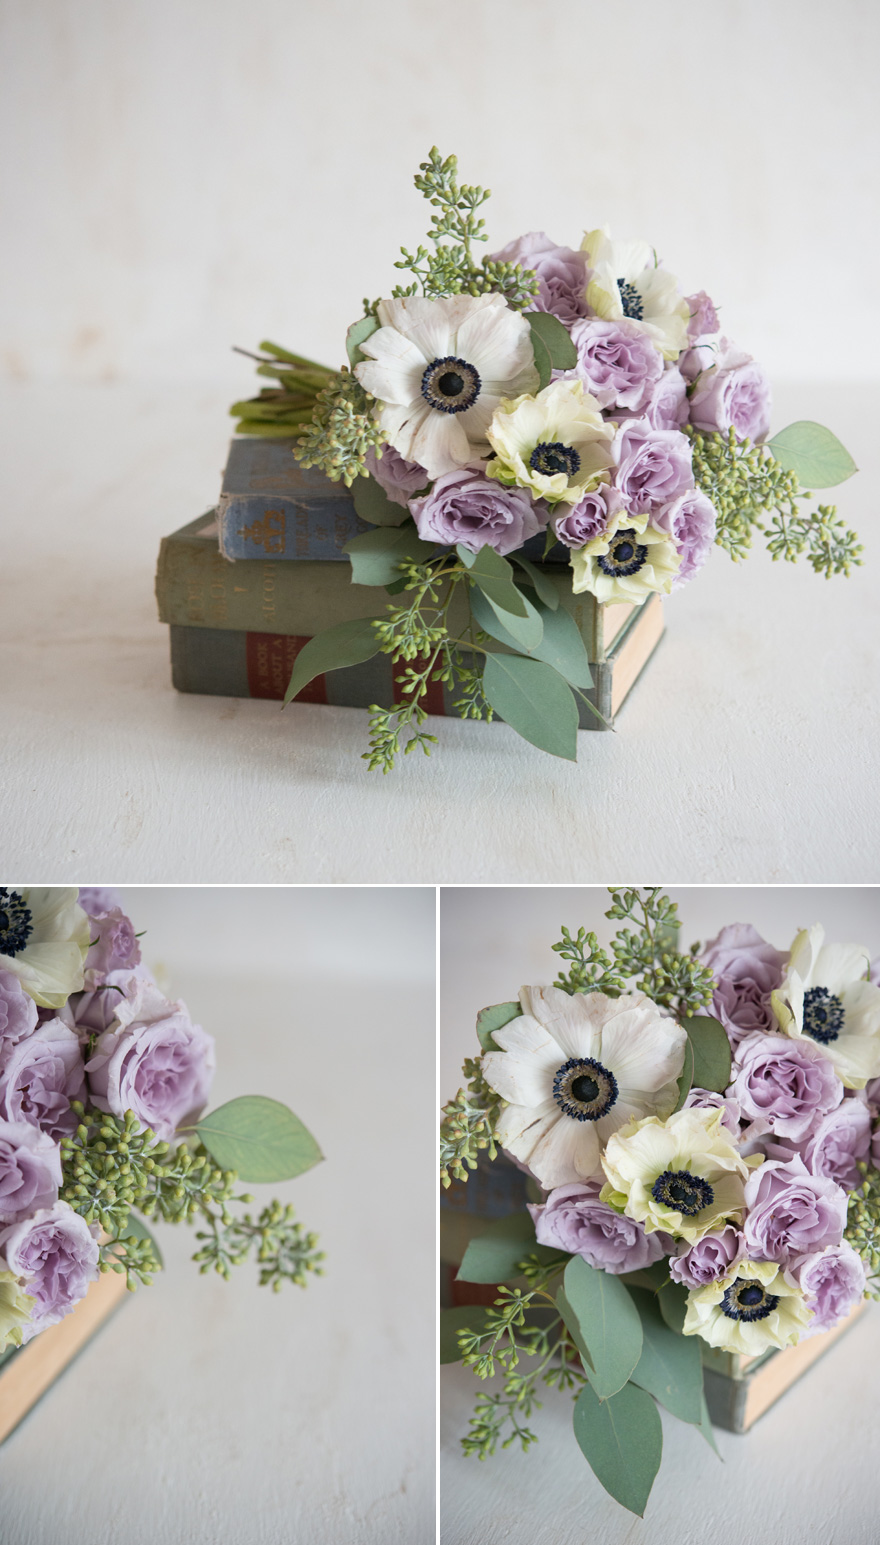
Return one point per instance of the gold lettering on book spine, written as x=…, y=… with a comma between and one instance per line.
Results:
x=266, y=531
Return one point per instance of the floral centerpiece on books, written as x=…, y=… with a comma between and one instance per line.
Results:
x=701, y=1133
x=103, y=1084
x=545, y=402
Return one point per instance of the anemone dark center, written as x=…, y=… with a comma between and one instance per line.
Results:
x=551, y=456
x=584, y=1089
x=747, y=1299
x=631, y=300
x=16, y=924
x=450, y=385
x=823, y=1015
x=625, y=555
x=683, y=1192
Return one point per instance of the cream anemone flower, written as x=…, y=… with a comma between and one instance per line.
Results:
x=628, y=561
x=439, y=368
x=754, y=1307
x=627, y=281
x=556, y=444
x=684, y=1176
x=573, y=1070
x=44, y=939
x=16, y=1308
x=824, y=998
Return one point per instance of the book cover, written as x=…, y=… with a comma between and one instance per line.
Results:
x=271, y=507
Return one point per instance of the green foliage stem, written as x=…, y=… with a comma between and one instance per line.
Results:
x=645, y=954
x=468, y=1125
x=285, y=408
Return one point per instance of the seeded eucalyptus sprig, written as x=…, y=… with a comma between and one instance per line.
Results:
x=468, y=1125
x=647, y=955
x=341, y=430
x=863, y=1224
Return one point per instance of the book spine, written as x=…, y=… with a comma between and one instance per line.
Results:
x=279, y=526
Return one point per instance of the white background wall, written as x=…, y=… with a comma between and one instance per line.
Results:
x=182, y=175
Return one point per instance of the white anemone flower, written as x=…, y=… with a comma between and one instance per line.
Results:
x=573, y=1070
x=627, y=281
x=683, y=1176
x=439, y=368
x=627, y=561
x=824, y=998
x=44, y=939
x=556, y=444
x=754, y=1307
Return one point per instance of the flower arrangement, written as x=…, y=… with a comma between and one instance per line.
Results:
x=699, y=1178
x=545, y=403
x=103, y=1083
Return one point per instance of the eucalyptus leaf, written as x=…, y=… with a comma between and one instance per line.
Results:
x=651, y=1277
x=670, y=1367
x=686, y=1076
x=357, y=334
x=555, y=337
x=711, y=1049
x=519, y=633
x=259, y=1138
x=349, y=643
x=136, y=1226
x=546, y=590
x=813, y=453
x=560, y=644
x=573, y=1326
x=462, y=1317
x=609, y=1323
x=535, y=701
x=375, y=555
x=543, y=362
x=672, y=1299
x=622, y=1441
x=373, y=504
x=495, y=1018
x=706, y=1427
x=494, y=576
x=495, y=1255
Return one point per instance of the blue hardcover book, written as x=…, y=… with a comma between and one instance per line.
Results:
x=271, y=507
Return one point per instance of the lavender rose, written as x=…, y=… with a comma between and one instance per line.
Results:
x=97, y=899
x=91, y=1013
x=733, y=394
x=832, y=1281
x=791, y=1212
x=18, y=1011
x=561, y=274
x=30, y=1170
x=837, y=1143
x=690, y=521
x=704, y=317
x=574, y=1219
x=653, y=466
x=114, y=947
x=667, y=407
x=590, y=516
x=617, y=363
x=710, y=1258
x=746, y=969
x=56, y=1252
x=466, y=507
x=158, y=1064
x=783, y=1083
x=707, y=1099
x=40, y=1076
x=398, y=477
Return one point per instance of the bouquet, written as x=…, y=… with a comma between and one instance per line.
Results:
x=546, y=413
x=700, y=1130
x=103, y=1082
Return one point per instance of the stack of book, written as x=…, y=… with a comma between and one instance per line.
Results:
x=247, y=584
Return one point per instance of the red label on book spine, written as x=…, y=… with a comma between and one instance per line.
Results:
x=432, y=702
x=270, y=660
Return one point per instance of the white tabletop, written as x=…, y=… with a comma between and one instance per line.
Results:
x=209, y=1411
x=748, y=750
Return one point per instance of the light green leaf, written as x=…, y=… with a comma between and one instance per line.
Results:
x=573, y=1327
x=672, y=1299
x=463, y=1317
x=136, y=1226
x=494, y=576
x=622, y=1442
x=543, y=362
x=349, y=643
x=259, y=1138
x=711, y=1049
x=495, y=1018
x=686, y=1077
x=535, y=701
x=495, y=1255
x=546, y=590
x=651, y=1277
x=373, y=504
x=555, y=337
x=519, y=633
x=706, y=1427
x=670, y=1367
x=609, y=1323
x=357, y=334
x=375, y=555
x=813, y=453
x=560, y=645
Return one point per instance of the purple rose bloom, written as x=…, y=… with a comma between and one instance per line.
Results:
x=158, y=1064
x=838, y=1142
x=114, y=947
x=399, y=478
x=707, y=1099
x=591, y=515
x=791, y=1212
x=690, y=521
x=709, y=1258
x=746, y=969
x=96, y=899
x=574, y=1219
x=704, y=317
x=466, y=507
x=734, y=393
x=653, y=466
x=832, y=1281
x=56, y=1252
x=18, y=1011
x=91, y=1013
x=667, y=407
x=30, y=1170
x=561, y=274
x=702, y=355
x=783, y=1083
x=617, y=363
x=40, y=1076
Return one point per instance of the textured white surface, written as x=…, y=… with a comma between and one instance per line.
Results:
x=748, y=751
x=208, y=1411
